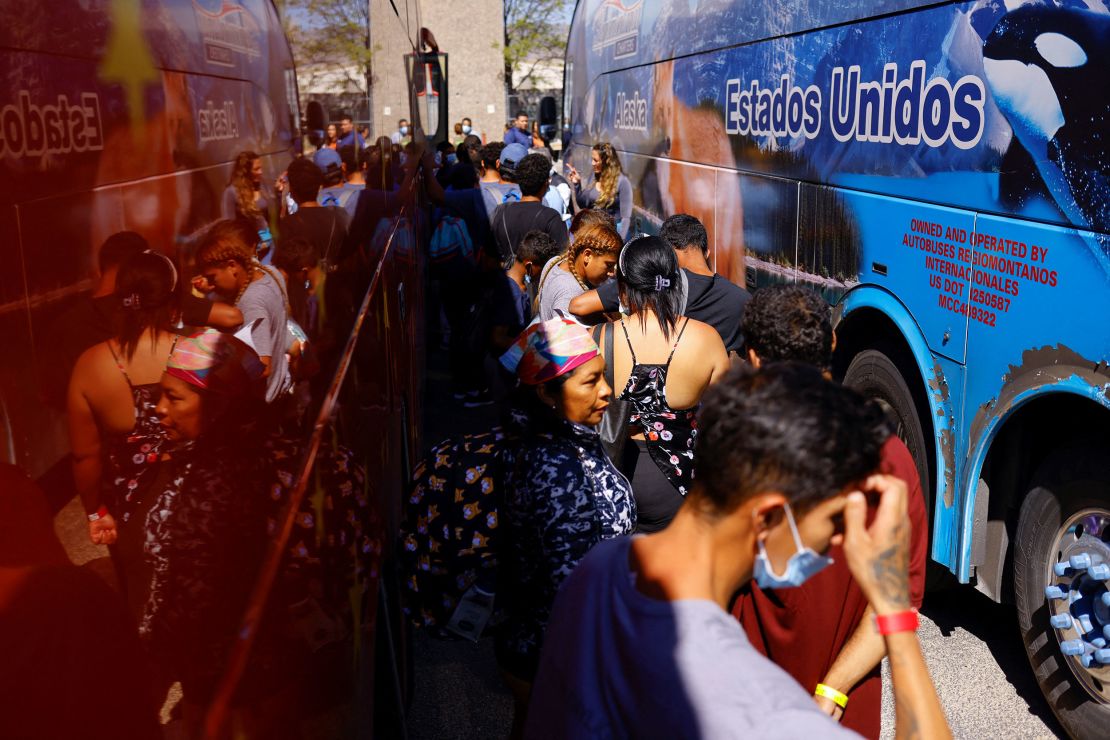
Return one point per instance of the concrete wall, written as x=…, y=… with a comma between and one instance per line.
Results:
x=471, y=34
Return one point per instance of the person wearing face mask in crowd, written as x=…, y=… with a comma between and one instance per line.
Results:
x=402, y=134
x=589, y=261
x=467, y=127
x=561, y=496
x=512, y=301
x=840, y=661
x=640, y=642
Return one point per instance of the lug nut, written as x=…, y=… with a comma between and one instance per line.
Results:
x=1103, y=655
x=1106, y=631
x=1099, y=642
x=1058, y=592
x=1087, y=660
x=1060, y=569
x=1105, y=598
x=1100, y=572
x=1060, y=621
x=1072, y=647
x=1082, y=561
x=1085, y=623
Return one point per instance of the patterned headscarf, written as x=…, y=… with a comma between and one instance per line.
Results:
x=548, y=349
x=216, y=362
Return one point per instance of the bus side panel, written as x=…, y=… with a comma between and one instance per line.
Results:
x=16, y=402
x=1029, y=277
x=914, y=244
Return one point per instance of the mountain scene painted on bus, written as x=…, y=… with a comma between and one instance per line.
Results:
x=983, y=105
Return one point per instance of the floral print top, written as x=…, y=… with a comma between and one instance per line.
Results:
x=562, y=497
x=670, y=434
x=133, y=455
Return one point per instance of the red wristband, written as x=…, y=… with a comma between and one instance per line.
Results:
x=888, y=624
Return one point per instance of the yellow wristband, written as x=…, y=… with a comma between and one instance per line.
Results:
x=841, y=700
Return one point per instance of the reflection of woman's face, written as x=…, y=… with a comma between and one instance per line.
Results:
x=256, y=171
x=332, y=131
x=585, y=395
x=180, y=409
x=595, y=160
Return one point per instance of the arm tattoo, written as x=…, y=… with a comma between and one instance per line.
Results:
x=891, y=570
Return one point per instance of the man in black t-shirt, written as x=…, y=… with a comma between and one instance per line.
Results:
x=511, y=221
x=710, y=298
x=324, y=227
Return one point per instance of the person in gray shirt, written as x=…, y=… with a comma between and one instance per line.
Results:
x=226, y=258
x=640, y=642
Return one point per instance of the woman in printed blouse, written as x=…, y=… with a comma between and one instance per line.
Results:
x=562, y=494
x=663, y=362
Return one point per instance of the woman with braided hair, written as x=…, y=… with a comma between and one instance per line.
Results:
x=589, y=261
x=228, y=267
x=663, y=366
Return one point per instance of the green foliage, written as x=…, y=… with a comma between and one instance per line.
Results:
x=535, y=33
x=329, y=37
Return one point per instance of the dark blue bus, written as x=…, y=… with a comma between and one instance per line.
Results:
x=939, y=171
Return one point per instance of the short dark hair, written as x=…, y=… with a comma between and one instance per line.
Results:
x=782, y=428
x=345, y=116
x=536, y=247
x=353, y=158
x=403, y=120
x=462, y=176
x=789, y=323
x=644, y=263
x=445, y=146
x=520, y=113
x=467, y=119
x=683, y=231
x=531, y=174
x=491, y=153
x=118, y=247
x=305, y=180
x=293, y=254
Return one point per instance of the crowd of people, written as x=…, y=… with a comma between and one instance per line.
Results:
x=682, y=525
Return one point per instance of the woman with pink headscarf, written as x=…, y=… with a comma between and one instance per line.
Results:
x=562, y=494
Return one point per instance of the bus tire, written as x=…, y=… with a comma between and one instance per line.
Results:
x=1069, y=482
x=874, y=375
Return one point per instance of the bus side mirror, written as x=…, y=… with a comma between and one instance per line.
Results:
x=549, y=119
x=314, y=122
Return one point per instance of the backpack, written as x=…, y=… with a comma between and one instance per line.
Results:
x=450, y=240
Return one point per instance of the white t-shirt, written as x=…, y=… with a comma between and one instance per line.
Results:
x=617, y=663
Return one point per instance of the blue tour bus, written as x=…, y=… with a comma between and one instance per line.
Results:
x=939, y=171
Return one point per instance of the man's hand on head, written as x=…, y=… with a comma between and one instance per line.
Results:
x=879, y=556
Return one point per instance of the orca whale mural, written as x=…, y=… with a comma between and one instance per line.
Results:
x=1045, y=67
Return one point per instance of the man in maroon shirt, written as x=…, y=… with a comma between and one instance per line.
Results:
x=823, y=632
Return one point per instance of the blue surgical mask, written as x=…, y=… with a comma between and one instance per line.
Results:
x=466, y=129
x=802, y=565
x=404, y=131
x=439, y=159
x=452, y=158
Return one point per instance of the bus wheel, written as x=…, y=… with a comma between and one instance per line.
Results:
x=1061, y=572
x=875, y=376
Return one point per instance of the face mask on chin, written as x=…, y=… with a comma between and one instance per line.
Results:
x=802, y=565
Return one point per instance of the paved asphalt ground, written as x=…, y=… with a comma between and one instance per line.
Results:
x=971, y=644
